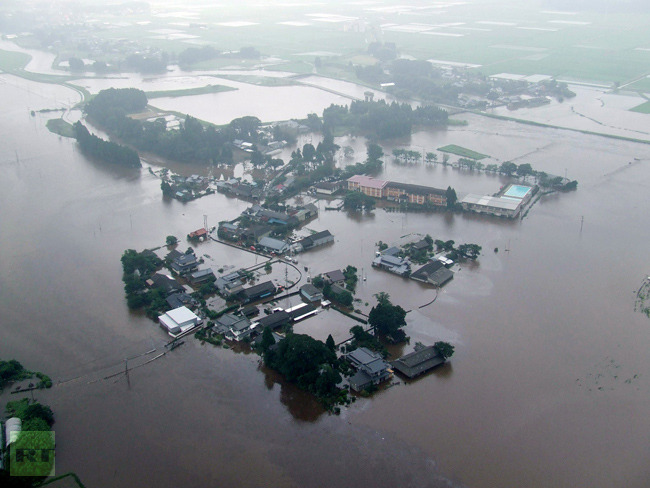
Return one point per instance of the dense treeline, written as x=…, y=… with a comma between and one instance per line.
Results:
x=382, y=120
x=422, y=80
x=192, y=142
x=105, y=150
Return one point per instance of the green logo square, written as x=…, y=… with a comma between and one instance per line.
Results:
x=32, y=454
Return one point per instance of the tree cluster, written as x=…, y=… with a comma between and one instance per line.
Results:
x=355, y=200
x=387, y=319
x=192, y=143
x=107, y=151
x=307, y=362
x=381, y=120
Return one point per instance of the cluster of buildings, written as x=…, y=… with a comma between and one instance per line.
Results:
x=241, y=189
x=401, y=192
x=263, y=229
x=435, y=272
x=187, y=188
x=372, y=369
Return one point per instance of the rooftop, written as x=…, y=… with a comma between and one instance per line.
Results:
x=368, y=181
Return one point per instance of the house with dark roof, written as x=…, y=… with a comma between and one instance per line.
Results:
x=234, y=327
x=418, y=362
x=371, y=368
x=433, y=273
x=230, y=284
x=167, y=284
x=202, y=275
x=334, y=277
x=315, y=240
x=185, y=263
x=421, y=245
x=274, y=321
x=250, y=311
x=394, y=264
x=257, y=292
x=176, y=300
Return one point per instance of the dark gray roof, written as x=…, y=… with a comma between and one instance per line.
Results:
x=259, y=290
x=371, y=361
x=391, y=251
x=166, y=283
x=422, y=244
x=233, y=322
x=250, y=310
x=418, y=362
x=275, y=320
x=335, y=275
x=310, y=289
x=360, y=380
x=301, y=311
x=433, y=272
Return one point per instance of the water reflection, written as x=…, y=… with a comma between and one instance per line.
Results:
x=302, y=405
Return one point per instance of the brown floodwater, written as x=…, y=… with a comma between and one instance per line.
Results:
x=548, y=386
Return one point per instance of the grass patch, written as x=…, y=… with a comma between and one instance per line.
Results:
x=60, y=127
x=259, y=80
x=644, y=108
x=461, y=151
x=201, y=90
x=11, y=60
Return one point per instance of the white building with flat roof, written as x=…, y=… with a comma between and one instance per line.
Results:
x=499, y=206
x=179, y=320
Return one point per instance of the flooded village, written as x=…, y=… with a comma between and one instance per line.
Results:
x=471, y=296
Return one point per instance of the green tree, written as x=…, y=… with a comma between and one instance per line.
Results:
x=171, y=240
x=331, y=345
x=267, y=339
x=385, y=317
x=450, y=193
x=374, y=151
x=507, y=168
x=525, y=170
x=308, y=152
x=470, y=251
x=445, y=349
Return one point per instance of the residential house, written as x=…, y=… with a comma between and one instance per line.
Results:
x=371, y=368
x=334, y=277
x=230, y=284
x=311, y=293
x=185, y=263
x=234, y=327
x=433, y=273
x=167, y=284
x=201, y=276
x=273, y=245
x=394, y=264
x=315, y=240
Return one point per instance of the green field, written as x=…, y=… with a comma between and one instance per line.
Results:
x=644, y=108
x=463, y=152
x=11, y=60
x=60, y=127
x=201, y=90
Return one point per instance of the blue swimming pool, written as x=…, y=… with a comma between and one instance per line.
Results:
x=517, y=191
